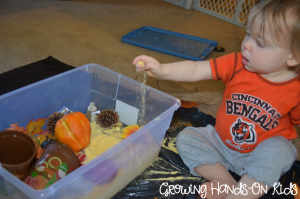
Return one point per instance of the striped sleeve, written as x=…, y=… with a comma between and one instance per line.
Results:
x=223, y=68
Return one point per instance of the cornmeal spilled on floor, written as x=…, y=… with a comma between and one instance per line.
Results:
x=171, y=145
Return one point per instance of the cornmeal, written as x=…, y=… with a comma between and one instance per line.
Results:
x=102, y=139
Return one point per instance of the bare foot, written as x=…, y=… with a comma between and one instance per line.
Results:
x=217, y=189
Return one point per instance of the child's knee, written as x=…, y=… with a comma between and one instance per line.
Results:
x=280, y=145
x=183, y=138
x=276, y=151
x=190, y=141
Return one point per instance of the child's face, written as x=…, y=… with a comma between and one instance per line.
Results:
x=261, y=55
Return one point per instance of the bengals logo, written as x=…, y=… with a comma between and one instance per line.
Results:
x=243, y=132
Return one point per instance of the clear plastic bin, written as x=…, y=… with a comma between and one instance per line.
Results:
x=75, y=89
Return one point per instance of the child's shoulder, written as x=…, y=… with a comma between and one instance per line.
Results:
x=286, y=78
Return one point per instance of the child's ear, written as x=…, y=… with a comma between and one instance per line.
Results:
x=292, y=61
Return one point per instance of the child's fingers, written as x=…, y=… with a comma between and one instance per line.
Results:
x=139, y=70
x=137, y=59
x=139, y=66
x=149, y=66
x=146, y=63
x=143, y=58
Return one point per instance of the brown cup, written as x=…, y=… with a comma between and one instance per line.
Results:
x=57, y=161
x=17, y=150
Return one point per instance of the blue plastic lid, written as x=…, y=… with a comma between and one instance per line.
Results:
x=181, y=45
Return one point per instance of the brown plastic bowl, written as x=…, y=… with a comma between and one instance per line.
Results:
x=17, y=150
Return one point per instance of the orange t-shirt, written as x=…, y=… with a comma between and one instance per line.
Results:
x=253, y=108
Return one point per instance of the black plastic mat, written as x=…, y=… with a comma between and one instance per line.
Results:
x=168, y=168
x=31, y=73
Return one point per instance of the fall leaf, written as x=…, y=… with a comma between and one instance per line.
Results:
x=39, y=152
x=16, y=127
x=130, y=130
x=187, y=104
x=34, y=127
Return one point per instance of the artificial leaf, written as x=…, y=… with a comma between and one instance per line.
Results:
x=34, y=127
x=35, y=140
x=130, y=130
x=39, y=152
x=44, y=136
x=16, y=127
x=187, y=104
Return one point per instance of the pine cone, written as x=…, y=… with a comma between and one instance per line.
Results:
x=107, y=118
x=53, y=118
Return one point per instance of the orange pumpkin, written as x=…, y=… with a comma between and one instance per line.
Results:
x=73, y=130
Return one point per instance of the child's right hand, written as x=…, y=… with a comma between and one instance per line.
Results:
x=152, y=67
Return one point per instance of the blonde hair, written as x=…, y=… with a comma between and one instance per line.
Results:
x=282, y=17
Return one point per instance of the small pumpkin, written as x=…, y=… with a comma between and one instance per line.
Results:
x=73, y=130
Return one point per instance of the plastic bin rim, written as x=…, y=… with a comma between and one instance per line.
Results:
x=86, y=66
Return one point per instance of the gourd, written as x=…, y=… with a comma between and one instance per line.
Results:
x=73, y=130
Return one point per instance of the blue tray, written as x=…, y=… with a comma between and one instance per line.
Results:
x=173, y=43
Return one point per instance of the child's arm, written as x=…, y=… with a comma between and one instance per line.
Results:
x=187, y=71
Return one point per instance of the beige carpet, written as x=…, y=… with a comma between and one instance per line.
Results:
x=78, y=32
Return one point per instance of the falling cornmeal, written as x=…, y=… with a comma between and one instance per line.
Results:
x=142, y=94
